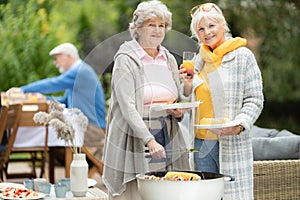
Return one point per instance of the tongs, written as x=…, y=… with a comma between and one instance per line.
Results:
x=168, y=152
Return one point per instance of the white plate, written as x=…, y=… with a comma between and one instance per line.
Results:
x=185, y=105
x=30, y=108
x=40, y=195
x=92, y=182
x=209, y=126
x=5, y=185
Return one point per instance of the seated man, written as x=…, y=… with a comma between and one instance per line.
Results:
x=82, y=89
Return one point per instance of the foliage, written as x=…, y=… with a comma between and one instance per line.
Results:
x=85, y=23
x=24, y=45
x=30, y=29
x=105, y=81
x=273, y=26
x=180, y=13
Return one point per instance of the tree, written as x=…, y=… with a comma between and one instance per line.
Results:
x=25, y=44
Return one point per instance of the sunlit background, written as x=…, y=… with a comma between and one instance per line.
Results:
x=30, y=29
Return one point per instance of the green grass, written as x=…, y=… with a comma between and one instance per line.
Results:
x=20, y=155
x=24, y=156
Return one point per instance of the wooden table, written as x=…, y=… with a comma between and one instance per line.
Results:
x=36, y=136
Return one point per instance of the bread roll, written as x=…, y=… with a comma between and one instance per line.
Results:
x=214, y=121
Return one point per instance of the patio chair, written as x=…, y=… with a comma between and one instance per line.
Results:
x=34, y=154
x=277, y=179
x=10, y=119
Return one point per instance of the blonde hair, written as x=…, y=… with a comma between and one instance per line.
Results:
x=149, y=10
x=215, y=13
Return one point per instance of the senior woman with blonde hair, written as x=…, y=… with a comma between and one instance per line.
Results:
x=228, y=82
x=144, y=74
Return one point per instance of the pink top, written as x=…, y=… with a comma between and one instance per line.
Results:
x=159, y=86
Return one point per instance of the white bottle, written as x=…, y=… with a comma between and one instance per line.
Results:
x=79, y=175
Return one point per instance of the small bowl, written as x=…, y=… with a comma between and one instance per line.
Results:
x=60, y=190
x=29, y=184
x=45, y=187
x=66, y=181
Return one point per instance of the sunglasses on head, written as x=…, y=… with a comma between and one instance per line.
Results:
x=206, y=7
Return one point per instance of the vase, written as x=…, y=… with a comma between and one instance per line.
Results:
x=79, y=175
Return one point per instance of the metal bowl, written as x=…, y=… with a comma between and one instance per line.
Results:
x=210, y=187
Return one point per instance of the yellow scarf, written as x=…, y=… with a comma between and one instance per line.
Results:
x=212, y=61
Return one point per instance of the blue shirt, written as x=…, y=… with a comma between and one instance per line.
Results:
x=82, y=90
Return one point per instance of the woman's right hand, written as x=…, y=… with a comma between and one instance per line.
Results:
x=186, y=79
x=156, y=150
x=184, y=76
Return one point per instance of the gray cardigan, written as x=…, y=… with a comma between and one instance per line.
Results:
x=127, y=134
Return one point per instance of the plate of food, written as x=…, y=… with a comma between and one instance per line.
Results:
x=3, y=186
x=20, y=193
x=210, y=123
x=182, y=105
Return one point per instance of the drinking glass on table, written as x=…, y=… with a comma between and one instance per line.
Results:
x=189, y=62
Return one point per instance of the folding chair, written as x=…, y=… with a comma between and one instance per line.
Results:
x=3, y=140
x=9, y=119
x=37, y=154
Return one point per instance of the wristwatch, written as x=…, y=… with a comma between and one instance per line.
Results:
x=241, y=129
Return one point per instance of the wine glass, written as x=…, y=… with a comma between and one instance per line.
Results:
x=189, y=62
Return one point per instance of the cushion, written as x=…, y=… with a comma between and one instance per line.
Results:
x=272, y=144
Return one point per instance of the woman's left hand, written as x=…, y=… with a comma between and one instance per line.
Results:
x=177, y=112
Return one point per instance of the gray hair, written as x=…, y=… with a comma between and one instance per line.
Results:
x=149, y=10
x=215, y=14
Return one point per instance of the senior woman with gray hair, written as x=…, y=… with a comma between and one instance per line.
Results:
x=144, y=74
x=228, y=82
